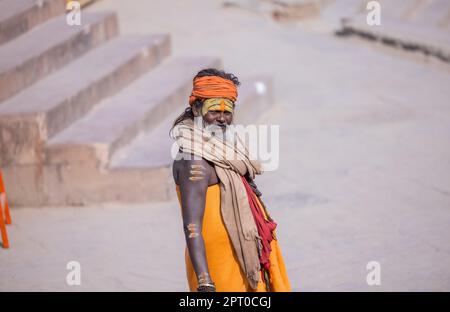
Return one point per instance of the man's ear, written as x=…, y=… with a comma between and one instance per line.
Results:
x=195, y=111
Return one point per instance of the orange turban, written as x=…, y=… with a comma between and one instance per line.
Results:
x=207, y=87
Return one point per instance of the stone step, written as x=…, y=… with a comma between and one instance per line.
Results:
x=152, y=149
x=19, y=16
x=117, y=120
x=50, y=46
x=39, y=112
x=406, y=35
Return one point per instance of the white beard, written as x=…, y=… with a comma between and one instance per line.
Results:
x=225, y=133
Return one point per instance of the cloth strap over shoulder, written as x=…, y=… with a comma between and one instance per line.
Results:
x=231, y=162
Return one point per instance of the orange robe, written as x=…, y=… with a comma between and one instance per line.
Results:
x=222, y=262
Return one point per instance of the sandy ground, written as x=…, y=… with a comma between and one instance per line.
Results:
x=364, y=167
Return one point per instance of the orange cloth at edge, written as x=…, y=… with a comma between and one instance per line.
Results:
x=222, y=262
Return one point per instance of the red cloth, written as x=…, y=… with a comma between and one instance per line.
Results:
x=265, y=227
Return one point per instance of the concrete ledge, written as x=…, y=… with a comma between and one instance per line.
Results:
x=19, y=16
x=406, y=36
x=38, y=113
x=49, y=47
x=78, y=185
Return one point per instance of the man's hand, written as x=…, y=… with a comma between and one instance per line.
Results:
x=253, y=185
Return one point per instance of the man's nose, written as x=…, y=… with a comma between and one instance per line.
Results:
x=221, y=117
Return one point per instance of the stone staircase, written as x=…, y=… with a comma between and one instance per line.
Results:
x=412, y=25
x=85, y=113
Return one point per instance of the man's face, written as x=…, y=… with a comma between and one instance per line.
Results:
x=218, y=118
x=217, y=112
x=218, y=123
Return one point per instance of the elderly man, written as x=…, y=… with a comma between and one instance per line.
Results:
x=230, y=237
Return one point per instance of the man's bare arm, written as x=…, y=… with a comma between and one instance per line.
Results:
x=193, y=178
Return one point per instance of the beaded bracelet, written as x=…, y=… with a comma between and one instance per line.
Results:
x=206, y=288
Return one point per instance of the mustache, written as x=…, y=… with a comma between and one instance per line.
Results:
x=216, y=128
x=205, y=125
